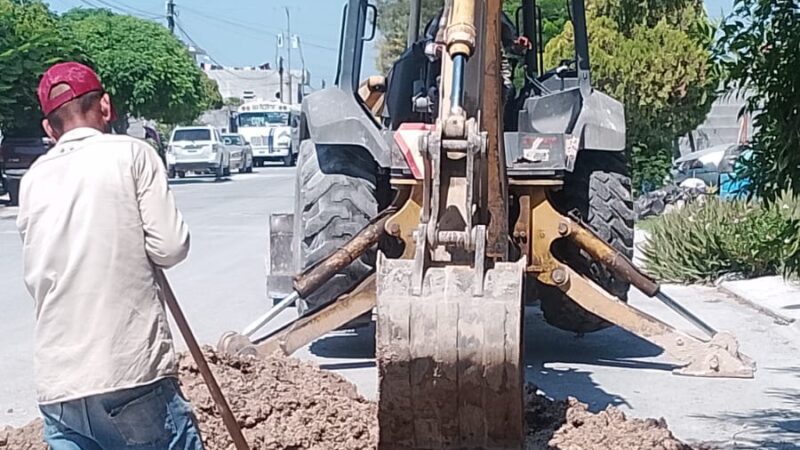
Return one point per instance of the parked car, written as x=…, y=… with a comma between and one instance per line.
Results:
x=198, y=149
x=241, y=152
x=18, y=155
x=707, y=165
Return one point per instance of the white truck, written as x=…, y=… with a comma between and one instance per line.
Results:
x=268, y=126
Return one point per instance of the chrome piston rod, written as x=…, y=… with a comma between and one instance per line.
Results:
x=457, y=92
x=685, y=313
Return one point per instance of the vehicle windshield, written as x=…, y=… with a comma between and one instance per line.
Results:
x=232, y=140
x=263, y=119
x=192, y=134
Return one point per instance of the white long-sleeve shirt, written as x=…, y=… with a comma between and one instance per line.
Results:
x=96, y=216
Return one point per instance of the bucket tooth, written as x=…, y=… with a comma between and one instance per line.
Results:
x=449, y=362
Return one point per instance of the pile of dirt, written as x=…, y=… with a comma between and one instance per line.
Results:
x=284, y=403
x=281, y=403
x=28, y=437
x=569, y=425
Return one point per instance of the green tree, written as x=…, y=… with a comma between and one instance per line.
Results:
x=233, y=102
x=30, y=41
x=759, y=51
x=212, y=99
x=147, y=71
x=393, y=25
x=554, y=16
x=655, y=57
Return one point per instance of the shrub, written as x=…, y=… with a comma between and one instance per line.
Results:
x=704, y=241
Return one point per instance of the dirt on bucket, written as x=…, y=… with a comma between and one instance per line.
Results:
x=284, y=403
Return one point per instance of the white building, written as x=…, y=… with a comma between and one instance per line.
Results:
x=251, y=83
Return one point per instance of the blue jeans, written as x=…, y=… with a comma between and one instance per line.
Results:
x=150, y=417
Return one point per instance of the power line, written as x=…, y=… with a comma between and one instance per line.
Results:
x=323, y=47
x=261, y=30
x=253, y=27
x=196, y=45
x=129, y=9
x=103, y=4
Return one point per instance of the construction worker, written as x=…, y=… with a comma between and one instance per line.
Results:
x=512, y=44
x=97, y=218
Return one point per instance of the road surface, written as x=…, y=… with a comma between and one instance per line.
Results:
x=222, y=287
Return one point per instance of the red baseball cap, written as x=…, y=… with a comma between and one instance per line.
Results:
x=78, y=78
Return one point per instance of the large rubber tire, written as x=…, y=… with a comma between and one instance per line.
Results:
x=600, y=190
x=335, y=198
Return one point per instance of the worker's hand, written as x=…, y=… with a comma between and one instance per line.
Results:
x=523, y=43
x=434, y=50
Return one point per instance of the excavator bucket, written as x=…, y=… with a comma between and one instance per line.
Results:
x=450, y=361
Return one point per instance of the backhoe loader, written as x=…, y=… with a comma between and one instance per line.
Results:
x=417, y=197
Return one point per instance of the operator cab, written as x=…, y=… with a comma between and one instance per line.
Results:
x=414, y=75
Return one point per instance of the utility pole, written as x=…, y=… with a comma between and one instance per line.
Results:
x=280, y=77
x=301, y=91
x=289, y=47
x=278, y=47
x=171, y=16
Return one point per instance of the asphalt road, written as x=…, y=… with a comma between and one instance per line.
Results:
x=222, y=287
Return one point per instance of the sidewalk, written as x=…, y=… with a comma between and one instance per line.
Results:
x=773, y=294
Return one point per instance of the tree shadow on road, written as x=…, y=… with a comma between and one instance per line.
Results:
x=775, y=428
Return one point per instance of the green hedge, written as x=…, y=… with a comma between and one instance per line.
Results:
x=704, y=241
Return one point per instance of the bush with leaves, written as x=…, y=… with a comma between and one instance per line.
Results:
x=654, y=57
x=759, y=50
x=704, y=241
x=30, y=41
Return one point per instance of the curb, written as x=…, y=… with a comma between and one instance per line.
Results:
x=779, y=318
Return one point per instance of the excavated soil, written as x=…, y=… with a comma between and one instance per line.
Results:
x=283, y=403
x=28, y=437
x=569, y=425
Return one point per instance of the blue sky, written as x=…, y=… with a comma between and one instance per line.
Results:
x=243, y=32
